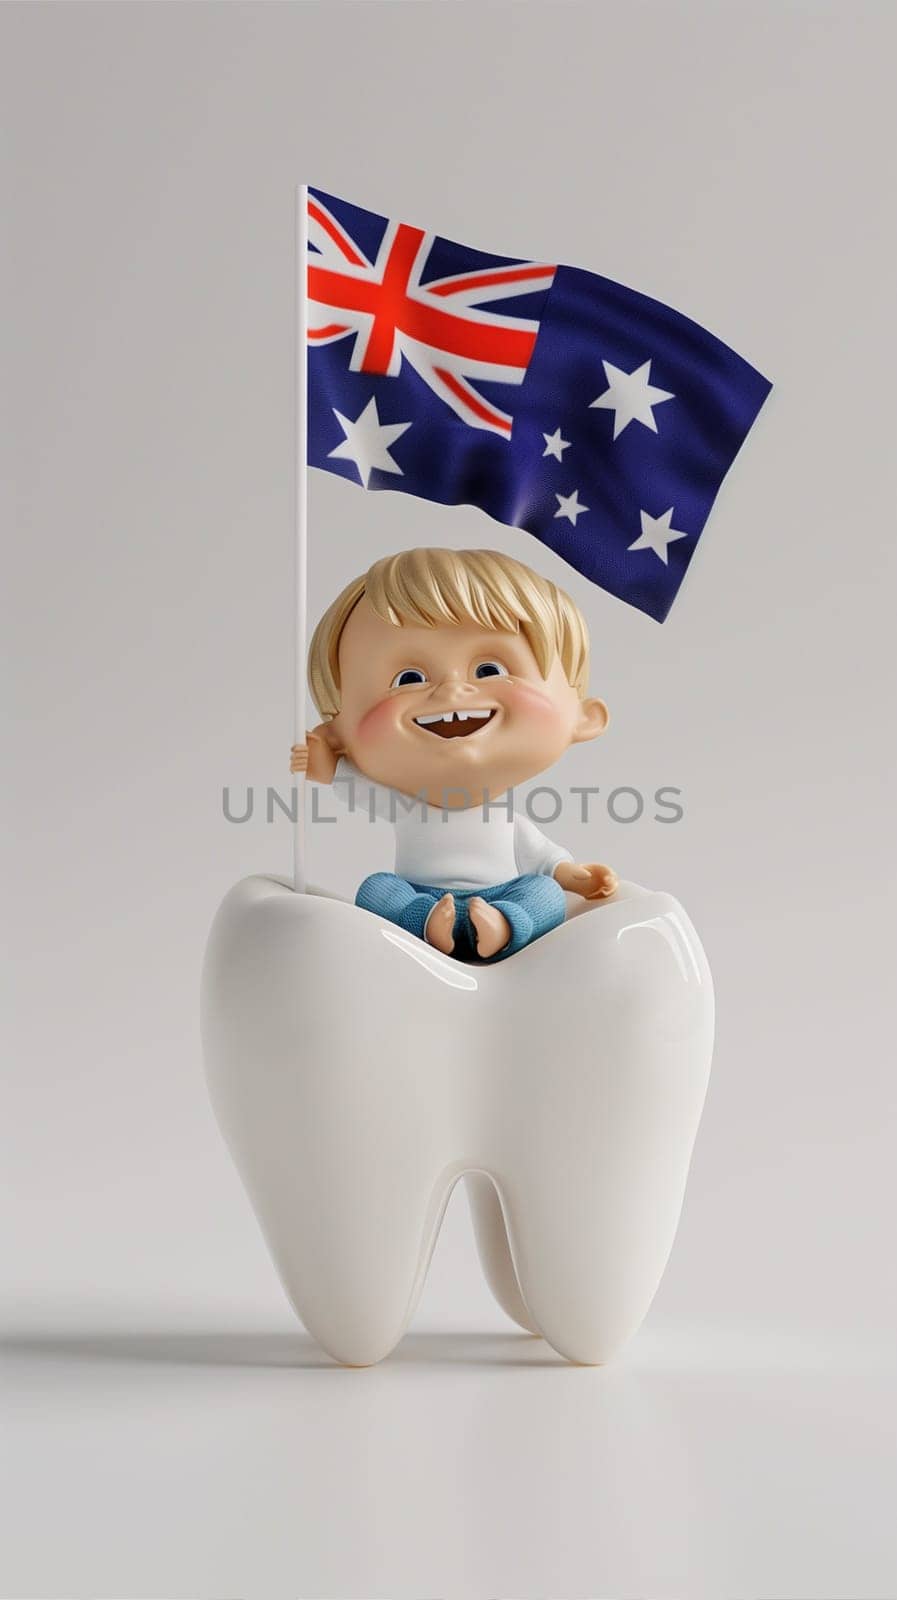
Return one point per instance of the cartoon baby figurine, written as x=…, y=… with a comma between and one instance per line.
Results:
x=445, y=678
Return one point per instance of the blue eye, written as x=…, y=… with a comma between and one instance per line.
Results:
x=407, y=676
x=490, y=669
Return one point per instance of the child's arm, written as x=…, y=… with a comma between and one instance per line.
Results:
x=592, y=880
x=317, y=757
x=535, y=853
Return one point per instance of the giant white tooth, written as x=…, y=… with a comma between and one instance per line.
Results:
x=567, y=1082
x=425, y=721
x=478, y=713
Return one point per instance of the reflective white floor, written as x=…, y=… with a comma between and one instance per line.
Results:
x=181, y=1460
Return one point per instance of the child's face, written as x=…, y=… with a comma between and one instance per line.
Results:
x=463, y=707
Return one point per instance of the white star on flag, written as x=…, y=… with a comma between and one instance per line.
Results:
x=630, y=396
x=569, y=506
x=657, y=534
x=555, y=445
x=367, y=441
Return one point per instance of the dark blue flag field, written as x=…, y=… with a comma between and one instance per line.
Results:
x=559, y=402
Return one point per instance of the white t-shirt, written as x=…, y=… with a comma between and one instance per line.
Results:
x=471, y=849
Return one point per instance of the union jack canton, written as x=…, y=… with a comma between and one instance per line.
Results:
x=557, y=401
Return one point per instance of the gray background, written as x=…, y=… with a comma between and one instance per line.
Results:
x=169, y=1429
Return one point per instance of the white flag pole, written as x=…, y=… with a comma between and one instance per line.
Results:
x=301, y=557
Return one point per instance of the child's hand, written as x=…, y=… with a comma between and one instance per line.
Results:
x=593, y=881
x=317, y=756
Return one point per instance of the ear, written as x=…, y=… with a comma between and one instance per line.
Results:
x=331, y=734
x=593, y=719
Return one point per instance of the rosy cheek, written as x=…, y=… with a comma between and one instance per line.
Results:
x=527, y=700
x=377, y=723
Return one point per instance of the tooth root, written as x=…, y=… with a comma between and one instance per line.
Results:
x=494, y=1250
x=585, y=1298
x=592, y=1187
x=355, y=1280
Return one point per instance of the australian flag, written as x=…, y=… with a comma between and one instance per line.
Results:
x=557, y=401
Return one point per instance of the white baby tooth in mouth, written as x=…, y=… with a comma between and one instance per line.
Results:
x=455, y=724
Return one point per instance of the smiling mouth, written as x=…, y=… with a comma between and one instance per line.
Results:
x=455, y=724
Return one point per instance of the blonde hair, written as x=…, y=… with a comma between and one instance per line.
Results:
x=436, y=587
